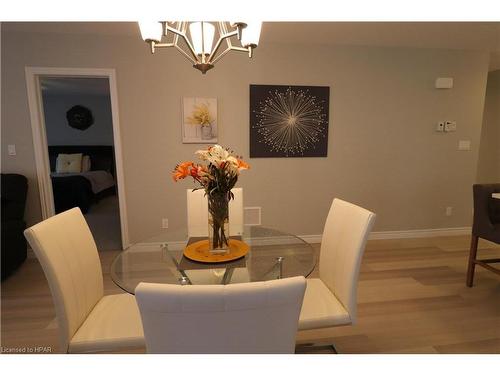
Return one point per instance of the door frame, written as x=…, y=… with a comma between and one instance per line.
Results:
x=40, y=146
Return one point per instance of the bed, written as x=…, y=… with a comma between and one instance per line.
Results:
x=85, y=188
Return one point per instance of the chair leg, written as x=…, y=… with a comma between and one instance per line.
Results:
x=472, y=260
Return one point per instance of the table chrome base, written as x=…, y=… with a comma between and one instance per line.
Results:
x=312, y=347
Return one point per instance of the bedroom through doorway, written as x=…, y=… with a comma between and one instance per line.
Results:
x=78, y=120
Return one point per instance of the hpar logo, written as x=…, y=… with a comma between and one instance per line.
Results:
x=42, y=349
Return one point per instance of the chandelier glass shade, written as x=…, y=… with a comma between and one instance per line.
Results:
x=202, y=43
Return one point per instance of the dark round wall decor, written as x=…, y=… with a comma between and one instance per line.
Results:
x=79, y=117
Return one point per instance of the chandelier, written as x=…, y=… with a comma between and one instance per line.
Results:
x=200, y=42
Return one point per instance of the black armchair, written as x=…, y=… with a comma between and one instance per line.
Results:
x=486, y=225
x=14, y=188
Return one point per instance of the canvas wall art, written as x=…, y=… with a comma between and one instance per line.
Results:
x=199, y=123
x=289, y=121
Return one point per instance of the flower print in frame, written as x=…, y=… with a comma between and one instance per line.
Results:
x=199, y=123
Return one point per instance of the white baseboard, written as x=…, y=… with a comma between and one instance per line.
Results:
x=419, y=233
x=396, y=234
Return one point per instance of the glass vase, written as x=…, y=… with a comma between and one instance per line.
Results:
x=206, y=132
x=218, y=223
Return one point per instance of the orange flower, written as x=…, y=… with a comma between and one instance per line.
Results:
x=182, y=170
x=186, y=164
x=243, y=165
x=196, y=171
x=193, y=172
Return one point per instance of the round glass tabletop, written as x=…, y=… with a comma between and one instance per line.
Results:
x=273, y=254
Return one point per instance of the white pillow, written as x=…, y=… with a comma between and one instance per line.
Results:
x=85, y=163
x=69, y=163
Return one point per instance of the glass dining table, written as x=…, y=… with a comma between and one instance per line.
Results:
x=273, y=254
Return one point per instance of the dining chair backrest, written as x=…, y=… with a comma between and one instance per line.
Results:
x=68, y=255
x=197, y=213
x=344, y=239
x=486, y=222
x=259, y=317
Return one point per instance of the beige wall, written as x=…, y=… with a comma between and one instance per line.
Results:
x=383, y=152
x=488, y=169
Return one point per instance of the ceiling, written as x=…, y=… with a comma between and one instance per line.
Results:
x=454, y=35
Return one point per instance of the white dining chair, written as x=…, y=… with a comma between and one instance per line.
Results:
x=197, y=217
x=331, y=299
x=248, y=318
x=197, y=213
x=88, y=321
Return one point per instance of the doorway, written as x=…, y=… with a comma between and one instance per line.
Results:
x=78, y=150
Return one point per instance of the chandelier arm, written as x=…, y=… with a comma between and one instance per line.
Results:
x=164, y=45
x=223, y=26
x=241, y=49
x=163, y=28
x=176, y=36
x=219, y=42
x=229, y=43
x=248, y=50
x=183, y=36
x=186, y=54
x=220, y=56
x=203, y=56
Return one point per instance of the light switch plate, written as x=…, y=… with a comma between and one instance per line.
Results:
x=11, y=150
x=450, y=126
x=444, y=83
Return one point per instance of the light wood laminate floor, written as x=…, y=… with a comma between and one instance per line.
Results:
x=412, y=298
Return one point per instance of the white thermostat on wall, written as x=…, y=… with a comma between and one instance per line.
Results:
x=444, y=83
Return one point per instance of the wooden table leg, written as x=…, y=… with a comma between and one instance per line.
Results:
x=472, y=258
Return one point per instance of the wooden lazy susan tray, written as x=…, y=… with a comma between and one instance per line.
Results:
x=199, y=252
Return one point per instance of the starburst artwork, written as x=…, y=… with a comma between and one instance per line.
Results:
x=288, y=121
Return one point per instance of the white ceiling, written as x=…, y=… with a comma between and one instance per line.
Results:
x=455, y=35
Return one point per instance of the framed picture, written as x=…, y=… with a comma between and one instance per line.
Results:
x=289, y=121
x=199, y=124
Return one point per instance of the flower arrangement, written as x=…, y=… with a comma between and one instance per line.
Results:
x=217, y=176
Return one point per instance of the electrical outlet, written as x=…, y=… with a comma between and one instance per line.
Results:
x=449, y=211
x=164, y=223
